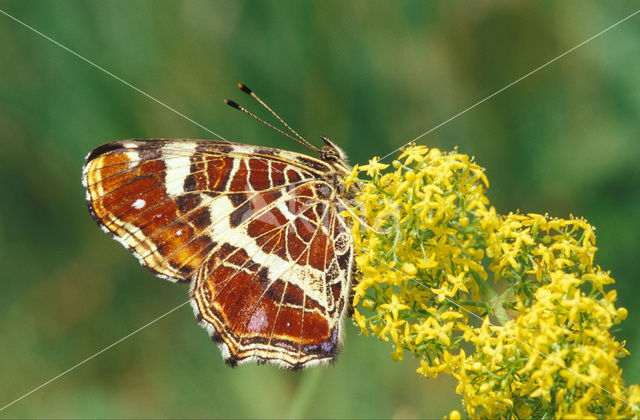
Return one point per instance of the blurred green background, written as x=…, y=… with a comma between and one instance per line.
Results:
x=371, y=75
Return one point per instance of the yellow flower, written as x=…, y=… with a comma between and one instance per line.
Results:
x=447, y=259
x=394, y=307
x=361, y=321
x=374, y=167
x=414, y=153
x=352, y=177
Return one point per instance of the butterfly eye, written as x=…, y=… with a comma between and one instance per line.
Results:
x=331, y=152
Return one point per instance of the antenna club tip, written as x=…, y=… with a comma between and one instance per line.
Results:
x=244, y=88
x=231, y=104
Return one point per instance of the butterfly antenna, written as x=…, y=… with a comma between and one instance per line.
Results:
x=232, y=104
x=249, y=92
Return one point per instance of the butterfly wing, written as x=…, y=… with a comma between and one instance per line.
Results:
x=256, y=230
x=277, y=287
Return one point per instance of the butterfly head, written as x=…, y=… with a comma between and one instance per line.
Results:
x=337, y=158
x=331, y=153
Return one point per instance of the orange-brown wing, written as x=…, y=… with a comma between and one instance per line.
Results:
x=277, y=287
x=153, y=196
x=256, y=229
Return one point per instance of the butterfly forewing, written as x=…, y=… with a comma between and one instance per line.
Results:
x=257, y=232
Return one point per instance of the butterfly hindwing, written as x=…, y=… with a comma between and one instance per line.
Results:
x=276, y=292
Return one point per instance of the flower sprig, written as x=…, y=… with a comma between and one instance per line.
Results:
x=511, y=305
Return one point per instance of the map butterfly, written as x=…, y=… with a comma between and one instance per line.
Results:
x=257, y=232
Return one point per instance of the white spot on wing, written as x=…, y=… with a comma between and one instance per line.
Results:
x=138, y=204
x=178, y=168
x=134, y=158
x=179, y=232
x=258, y=320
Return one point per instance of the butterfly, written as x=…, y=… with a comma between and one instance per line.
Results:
x=257, y=232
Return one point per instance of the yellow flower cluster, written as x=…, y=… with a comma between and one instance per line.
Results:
x=441, y=271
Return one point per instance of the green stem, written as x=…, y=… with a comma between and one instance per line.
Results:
x=306, y=389
x=492, y=298
x=474, y=303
